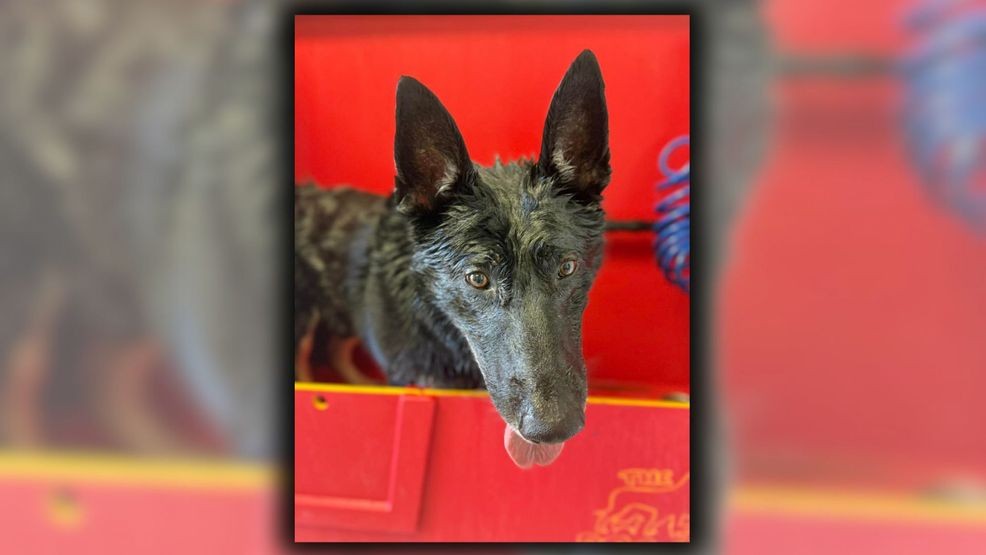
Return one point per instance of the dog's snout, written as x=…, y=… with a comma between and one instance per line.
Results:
x=551, y=424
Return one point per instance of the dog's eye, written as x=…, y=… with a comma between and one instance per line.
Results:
x=479, y=280
x=567, y=268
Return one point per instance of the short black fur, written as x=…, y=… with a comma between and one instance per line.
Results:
x=393, y=271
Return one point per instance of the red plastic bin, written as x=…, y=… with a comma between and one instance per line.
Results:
x=405, y=464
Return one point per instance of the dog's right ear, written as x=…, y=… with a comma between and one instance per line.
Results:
x=431, y=157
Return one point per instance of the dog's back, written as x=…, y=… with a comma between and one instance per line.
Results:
x=332, y=230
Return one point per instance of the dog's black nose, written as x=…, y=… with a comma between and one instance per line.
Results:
x=551, y=426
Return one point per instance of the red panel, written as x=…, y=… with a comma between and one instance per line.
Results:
x=396, y=510
x=496, y=75
x=625, y=476
x=369, y=455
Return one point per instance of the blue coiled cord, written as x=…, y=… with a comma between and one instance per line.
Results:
x=945, y=103
x=672, y=245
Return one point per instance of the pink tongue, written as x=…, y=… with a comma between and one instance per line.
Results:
x=526, y=454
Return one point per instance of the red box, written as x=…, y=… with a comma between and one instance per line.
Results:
x=396, y=464
x=400, y=464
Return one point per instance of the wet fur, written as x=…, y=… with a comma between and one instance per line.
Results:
x=390, y=270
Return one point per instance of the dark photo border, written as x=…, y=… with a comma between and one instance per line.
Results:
x=706, y=449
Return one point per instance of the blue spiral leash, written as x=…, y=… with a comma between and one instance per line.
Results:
x=672, y=244
x=945, y=103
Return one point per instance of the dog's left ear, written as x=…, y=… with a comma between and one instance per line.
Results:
x=575, y=145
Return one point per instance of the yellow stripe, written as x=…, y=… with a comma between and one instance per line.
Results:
x=385, y=390
x=394, y=390
x=95, y=468
x=630, y=402
x=854, y=505
x=124, y=470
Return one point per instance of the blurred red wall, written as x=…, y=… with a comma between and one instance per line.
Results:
x=496, y=75
x=854, y=310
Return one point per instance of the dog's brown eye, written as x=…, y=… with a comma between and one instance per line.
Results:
x=479, y=280
x=568, y=267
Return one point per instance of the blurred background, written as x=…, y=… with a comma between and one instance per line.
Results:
x=841, y=201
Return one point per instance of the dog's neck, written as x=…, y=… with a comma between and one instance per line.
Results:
x=430, y=350
x=459, y=365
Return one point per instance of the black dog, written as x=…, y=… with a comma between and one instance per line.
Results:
x=469, y=276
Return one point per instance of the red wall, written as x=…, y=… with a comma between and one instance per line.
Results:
x=496, y=75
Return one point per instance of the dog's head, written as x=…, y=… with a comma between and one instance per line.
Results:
x=509, y=253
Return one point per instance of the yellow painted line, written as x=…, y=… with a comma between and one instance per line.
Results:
x=855, y=505
x=95, y=468
x=630, y=402
x=394, y=390
x=123, y=470
x=385, y=390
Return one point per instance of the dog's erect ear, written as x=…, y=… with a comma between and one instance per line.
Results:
x=429, y=152
x=575, y=145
